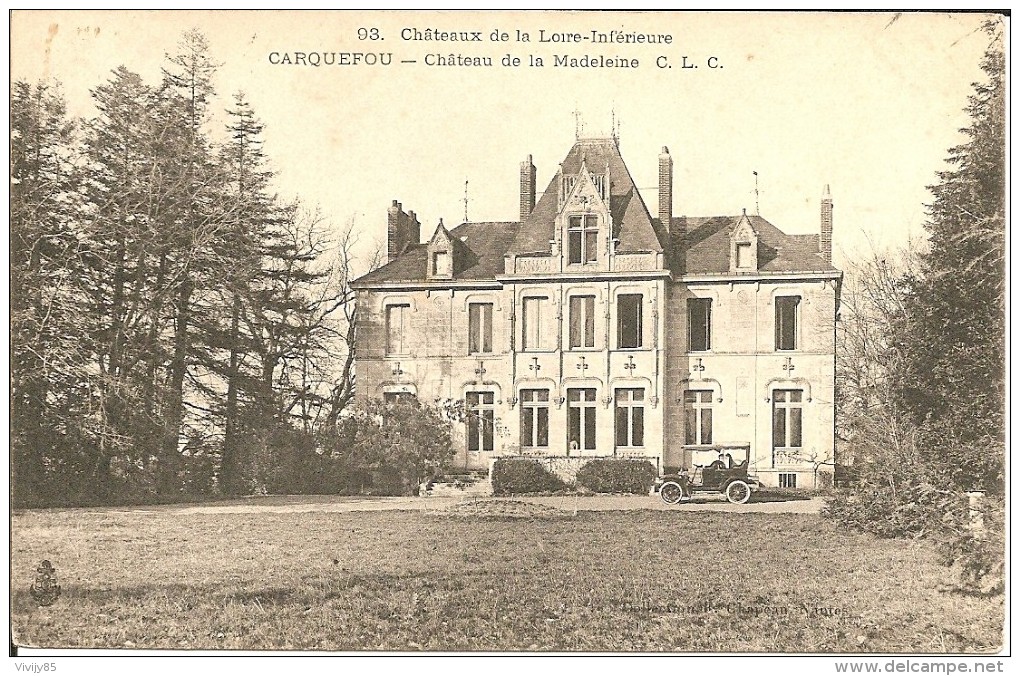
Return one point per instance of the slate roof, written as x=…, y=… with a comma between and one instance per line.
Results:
x=479, y=250
x=630, y=215
x=704, y=249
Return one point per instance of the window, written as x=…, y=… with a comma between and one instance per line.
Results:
x=628, y=315
x=398, y=397
x=480, y=420
x=630, y=417
x=698, y=417
x=787, y=480
x=531, y=331
x=479, y=328
x=699, y=324
x=582, y=321
x=787, y=419
x=787, y=308
x=397, y=318
x=583, y=239
x=581, y=419
x=442, y=264
x=744, y=256
x=535, y=418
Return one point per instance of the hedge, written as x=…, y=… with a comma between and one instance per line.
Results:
x=613, y=475
x=523, y=475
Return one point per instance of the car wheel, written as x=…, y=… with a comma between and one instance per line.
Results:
x=738, y=492
x=670, y=492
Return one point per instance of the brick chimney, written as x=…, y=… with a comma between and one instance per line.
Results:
x=665, y=189
x=402, y=231
x=527, y=188
x=825, y=238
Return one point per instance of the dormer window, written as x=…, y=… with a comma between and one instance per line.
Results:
x=440, y=254
x=583, y=239
x=442, y=264
x=743, y=246
x=744, y=259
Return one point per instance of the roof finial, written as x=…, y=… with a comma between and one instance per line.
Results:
x=466, y=200
x=757, y=210
x=577, y=123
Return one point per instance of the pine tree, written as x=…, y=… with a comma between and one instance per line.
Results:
x=190, y=221
x=953, y=336
x=50, y=336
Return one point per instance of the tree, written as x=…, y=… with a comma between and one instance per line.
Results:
x=191, y=219
x=953, y=339
x=51, y=383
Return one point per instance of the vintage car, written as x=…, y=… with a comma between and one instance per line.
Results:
x=724, y=474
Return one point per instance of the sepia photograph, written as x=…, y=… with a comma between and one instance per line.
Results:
x=463, y=333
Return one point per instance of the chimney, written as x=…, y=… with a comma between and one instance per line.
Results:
x=665, y=189
x=825, y=239
x=527, y=188
x=402, y=231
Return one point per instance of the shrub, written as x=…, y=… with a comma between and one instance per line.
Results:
x=612, y=475
x=900, y=491
x=978, y=554
x=523, y=475
x=392, y=447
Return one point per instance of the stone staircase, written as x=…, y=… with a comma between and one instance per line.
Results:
x=463, y=484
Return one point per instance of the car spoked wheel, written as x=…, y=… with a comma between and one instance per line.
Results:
x=738, y=492
x=671, y=493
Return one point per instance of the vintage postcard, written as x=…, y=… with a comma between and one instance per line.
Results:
x=547, y=332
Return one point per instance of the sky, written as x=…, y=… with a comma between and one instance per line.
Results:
x=868, y=103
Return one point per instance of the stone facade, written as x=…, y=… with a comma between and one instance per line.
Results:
x=590, y=328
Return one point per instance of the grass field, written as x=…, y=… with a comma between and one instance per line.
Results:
x=609, y=581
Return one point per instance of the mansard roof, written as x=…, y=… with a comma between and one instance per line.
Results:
x=632, y=222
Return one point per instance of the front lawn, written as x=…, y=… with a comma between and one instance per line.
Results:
x=600, y=581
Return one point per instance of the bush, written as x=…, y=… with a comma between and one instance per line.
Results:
x=899, y=491
x=612, y=475
x=523, y=475
x=391, y=448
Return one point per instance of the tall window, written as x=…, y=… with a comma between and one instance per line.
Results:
x=582, y=321
x=397, y=318
x=699, y=324
x=535, y=418
x=630, y=417
x=532, y=323
x=787, y=309
x=787, y=419
x=581, y=419
x=628, y=315
x=479, y=328
x=583, y=239
x=480, y=420
x=698, y=417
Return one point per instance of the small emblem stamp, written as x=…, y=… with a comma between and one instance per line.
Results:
x=45, y=589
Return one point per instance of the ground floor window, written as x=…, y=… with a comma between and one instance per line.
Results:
x=787, y=480
x=581, y=419
x=787, y=419
x=535, y=418
x=698, y=417
x=398, y=397
x=480, y=420
x=630, y=417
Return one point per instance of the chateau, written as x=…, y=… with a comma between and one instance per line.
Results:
x=592, y=327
